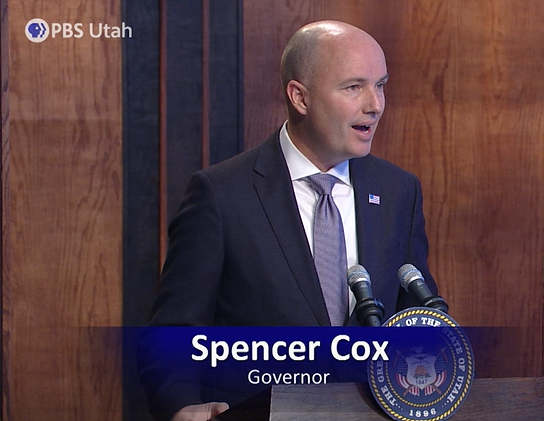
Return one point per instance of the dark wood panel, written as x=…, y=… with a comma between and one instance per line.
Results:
x=183, y=100
x=4, y=166
x=203, y=78
x=225, y=79
x=63, y=198
x=141, y=195
x=141, y=97
x=465, y=112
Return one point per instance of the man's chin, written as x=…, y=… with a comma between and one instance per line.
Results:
x=362, y=151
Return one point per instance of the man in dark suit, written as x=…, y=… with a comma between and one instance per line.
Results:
x=241, y=247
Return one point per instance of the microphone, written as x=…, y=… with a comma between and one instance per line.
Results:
x=369, y=310
x=412, y=281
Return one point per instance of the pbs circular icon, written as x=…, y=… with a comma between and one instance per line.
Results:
x=430, y=369
x=37, y=30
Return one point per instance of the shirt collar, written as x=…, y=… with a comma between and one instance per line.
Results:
x=299, y=166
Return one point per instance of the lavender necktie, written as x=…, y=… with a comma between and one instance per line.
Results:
x=330, y=249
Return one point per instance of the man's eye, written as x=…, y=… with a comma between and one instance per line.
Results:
x=353, y=87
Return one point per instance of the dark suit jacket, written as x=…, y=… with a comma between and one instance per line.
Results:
x=238, y=253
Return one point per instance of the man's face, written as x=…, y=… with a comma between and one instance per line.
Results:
x=345, y=100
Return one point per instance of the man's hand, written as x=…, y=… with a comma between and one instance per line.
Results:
x=202, y=412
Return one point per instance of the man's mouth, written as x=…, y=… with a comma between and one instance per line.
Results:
x=362, y=128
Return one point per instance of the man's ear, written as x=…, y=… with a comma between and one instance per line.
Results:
x=297, y=95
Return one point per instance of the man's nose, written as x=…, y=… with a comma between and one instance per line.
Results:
x=374, y=102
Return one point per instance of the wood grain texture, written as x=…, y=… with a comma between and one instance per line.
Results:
x=63, y=218
x=513, y=399
x=4, y=166
x=465, y=112
x=489, y=399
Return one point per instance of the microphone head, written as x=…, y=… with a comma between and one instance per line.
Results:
x=408, y=273
x=357, y=273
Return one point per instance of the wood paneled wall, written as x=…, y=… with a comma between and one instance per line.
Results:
x=61, y=215
x=465, y=112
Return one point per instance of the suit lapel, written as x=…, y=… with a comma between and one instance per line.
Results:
x=275, y=191
x=368, y=215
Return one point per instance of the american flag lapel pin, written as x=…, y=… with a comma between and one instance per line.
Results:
x=372, y=198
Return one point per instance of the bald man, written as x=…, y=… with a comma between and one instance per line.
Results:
x=242, y=245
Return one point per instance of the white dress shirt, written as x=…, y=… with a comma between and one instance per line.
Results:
x=300, y=167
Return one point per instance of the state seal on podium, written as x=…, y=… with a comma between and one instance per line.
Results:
x=429, y=371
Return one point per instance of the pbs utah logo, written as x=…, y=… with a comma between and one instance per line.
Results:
x=37, y=30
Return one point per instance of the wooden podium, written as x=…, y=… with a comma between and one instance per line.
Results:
x=513, y=399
